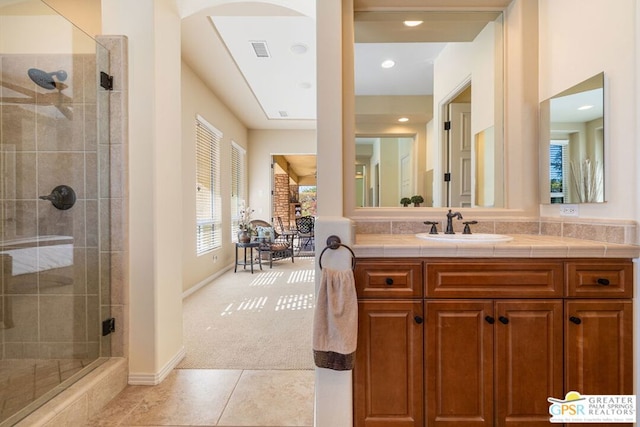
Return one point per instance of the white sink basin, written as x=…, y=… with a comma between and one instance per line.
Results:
x=465, y=238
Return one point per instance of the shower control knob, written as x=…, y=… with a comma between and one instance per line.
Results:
x=62, y=197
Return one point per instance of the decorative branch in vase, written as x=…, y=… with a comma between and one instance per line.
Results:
x=588, y=180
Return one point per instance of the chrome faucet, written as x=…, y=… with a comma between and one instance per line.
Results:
x=450, y=217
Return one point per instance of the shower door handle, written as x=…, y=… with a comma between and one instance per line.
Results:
x=62, y=197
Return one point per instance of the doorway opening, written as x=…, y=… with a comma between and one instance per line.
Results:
x=293, y=188
x=457, y=148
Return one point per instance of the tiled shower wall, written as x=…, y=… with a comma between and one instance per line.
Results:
x=114, y=251
x=87, y=396
x=49, y=138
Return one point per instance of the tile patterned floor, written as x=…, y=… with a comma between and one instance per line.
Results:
x=215, y=397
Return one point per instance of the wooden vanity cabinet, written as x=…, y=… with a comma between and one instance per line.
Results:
x=598, y=320
x=499, y=337
x=477, y=349
x=388, y=373
x=598, y=346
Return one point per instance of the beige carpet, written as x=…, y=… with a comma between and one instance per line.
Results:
x=252, y=321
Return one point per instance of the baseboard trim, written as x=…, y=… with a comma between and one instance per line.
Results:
x=157, y=378
x=206, y=281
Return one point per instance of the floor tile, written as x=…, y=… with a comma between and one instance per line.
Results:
x=271, y=398
x=187, y=397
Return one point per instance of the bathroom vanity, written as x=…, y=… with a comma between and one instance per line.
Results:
x=482, y=334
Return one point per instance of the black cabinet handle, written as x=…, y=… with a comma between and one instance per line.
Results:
x=418, y=320
x=490, y=320
x=575, y=320
x=603, y=281
x=503, y=320
x=388, y=281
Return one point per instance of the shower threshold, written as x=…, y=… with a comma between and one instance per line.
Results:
x=29, y=383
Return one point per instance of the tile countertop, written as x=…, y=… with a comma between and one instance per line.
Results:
x=522, y=246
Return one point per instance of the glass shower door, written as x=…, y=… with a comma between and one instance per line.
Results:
x=54, y=213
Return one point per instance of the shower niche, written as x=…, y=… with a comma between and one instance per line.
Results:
x=54, y=206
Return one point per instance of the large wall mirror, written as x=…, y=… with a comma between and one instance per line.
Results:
x=429, y=108
x=572, y=144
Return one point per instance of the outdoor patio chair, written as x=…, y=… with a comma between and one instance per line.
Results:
x=273, y=245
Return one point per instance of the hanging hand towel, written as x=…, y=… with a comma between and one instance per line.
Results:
x=335, y=321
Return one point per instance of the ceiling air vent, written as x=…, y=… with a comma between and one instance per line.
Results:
x=260, y=48
x=283, y=113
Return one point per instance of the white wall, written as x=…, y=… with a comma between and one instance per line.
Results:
x=572, y=50
x=198, y=99
x=155, y=277
x=262, y=145
x=86, y=14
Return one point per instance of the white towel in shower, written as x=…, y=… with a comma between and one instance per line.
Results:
x=335, y=321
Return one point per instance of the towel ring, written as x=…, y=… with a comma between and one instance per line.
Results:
x=333, y=242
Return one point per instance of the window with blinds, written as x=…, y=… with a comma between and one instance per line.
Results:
x=238, y=185
x=208, y=199
x=558, y=170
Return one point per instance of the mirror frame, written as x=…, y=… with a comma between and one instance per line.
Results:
x=521, y=102
x=546, y=137
x=348, y=104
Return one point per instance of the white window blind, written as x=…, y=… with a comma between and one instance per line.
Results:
x=558, y=170
x=238, y=185
x=208, y=200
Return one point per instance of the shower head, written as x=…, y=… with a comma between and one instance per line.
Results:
x=45, y=80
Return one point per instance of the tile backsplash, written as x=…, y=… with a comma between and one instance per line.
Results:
x=602, y=230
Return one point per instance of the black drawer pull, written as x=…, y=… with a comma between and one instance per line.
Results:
x=490, y=320
x=575, y=320
x=503, y=320
x=388, y=281
x=418, y=320
x=603, y=281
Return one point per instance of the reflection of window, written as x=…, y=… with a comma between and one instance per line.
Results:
x=558, y=170
x=208, y=200
x=238, y=185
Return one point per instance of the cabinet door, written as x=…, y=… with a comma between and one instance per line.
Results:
x=598, y=346
x=529, y=358
x=459, y=364
x=388, y=373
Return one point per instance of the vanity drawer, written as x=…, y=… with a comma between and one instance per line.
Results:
x=488, y=278
x=385, y=278
x=607, y=278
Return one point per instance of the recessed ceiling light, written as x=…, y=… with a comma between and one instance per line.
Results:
x=403, y=119
x=585, y=107
x=304, y=85
x=412, y=23
x=388, y=63
x=299, y=48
